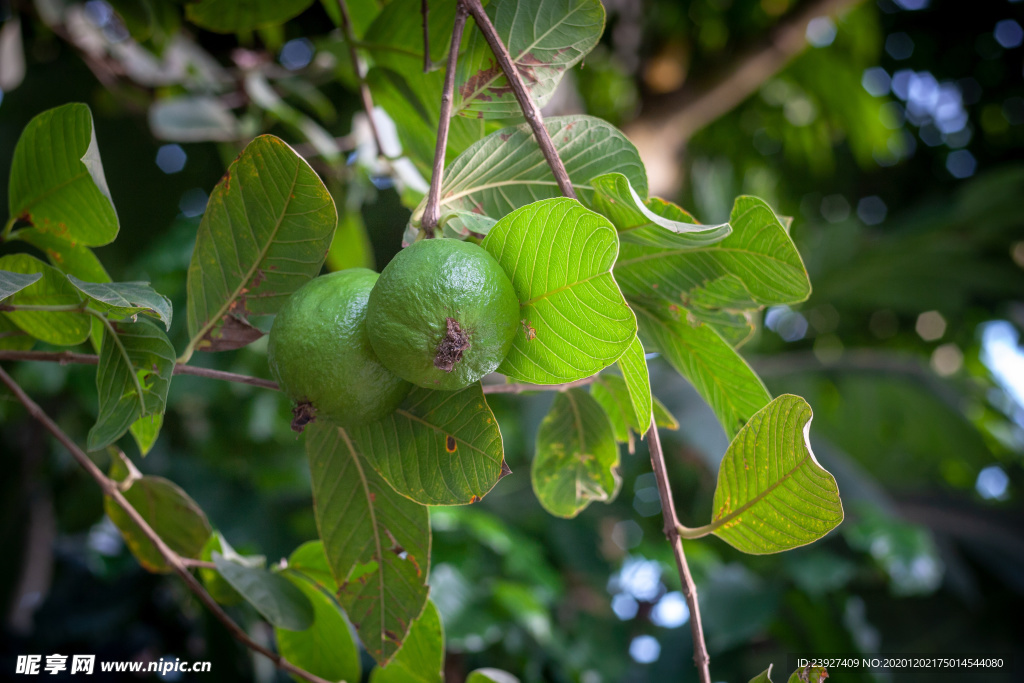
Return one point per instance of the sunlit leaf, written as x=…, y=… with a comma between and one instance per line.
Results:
x=772, y=494
x=576, y=460
x=438, y=448
x=266, y=232
x=377, y=543
x=11, y=283
x=491, y=676
x=280, y=601
x=126, y=298
x=574, y=321
x=62, y=328
x=145, y=431
x=421, y=659
x=633, y=364
x=57, y=182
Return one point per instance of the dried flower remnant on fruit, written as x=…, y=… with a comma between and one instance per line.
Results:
x=449, y=351
x=303, y=413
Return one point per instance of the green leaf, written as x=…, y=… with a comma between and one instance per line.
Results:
x=489, y=675
x=134, y=375
x=125, y=299
x=764, y=676
x=62, y=328
x=576, y=459
x=633, y=364
x=351, y=247
x=266, y=232
x=168, y=510
x=772, y=494
x=662, y=225
x=575, y=322
x=12, y=338
x=279, y=601
x=756, y=265
x=421, y=659
x=230, y=16
x=716, y=371
x=460, y=224
x=438, y=448
x=506, y=169
x=215, y=585
x=326, y=648
x=662, y=417
x=809, y=674
x=57, y=182
x=377, y=543
x=310, y=560
x=12, y=283
x=145, y=431
x=544, y=39
x=612, y=393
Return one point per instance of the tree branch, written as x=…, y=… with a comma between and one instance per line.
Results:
x=432, y=212
x=67, y=357
x=364, y=89
x=530, y=110
x=680, y=114
x=110, y=488
x=668, y=512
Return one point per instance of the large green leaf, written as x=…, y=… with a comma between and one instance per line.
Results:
x=574, y=321
x=168, y=510
x=772, y=494
x=11, y=283
x=57, y=182
x=125, y=299
x=377, y=543
x=698, y=353
x=577, y=459
x=506, y=169
x=633, y=364
x=438, y=448
x=310, y=560
x=266, y=232
x=133, y=377
x=280, y=601
x=230, y=16
x=544, y=39
x=421, y=659
x=651, y=222
x=326, y=649
x=756, y=265
x=67, y=257
x=54, y=327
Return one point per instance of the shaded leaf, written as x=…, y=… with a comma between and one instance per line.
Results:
x=377, y=543
x=421, y=659
x=12, y=338
x=772, y=494
x=266, y=232
x=326, y=648
x=438, y=448
x=215, y=585
x=662, y=225
x=611, y=392
x=544, y=39
x=230, y=16
x=577, y=459
x=575, y=322
x=12, y=283
x=310, y=560
x=145, y=431
x=506, y=169
x=62, y=328
x=764, y=676
x=808, y=674
x=662, y=417
x=461, y=224
x=133, y=377
x=126, y=298
x=168, y=510
x=279, y=601
x=716, y=371
x=491, y=676
x=70, y=259
x=193, y=118
x=57, y=182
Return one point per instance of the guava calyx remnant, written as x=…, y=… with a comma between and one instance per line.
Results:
x=303, y=413
x=449, y=351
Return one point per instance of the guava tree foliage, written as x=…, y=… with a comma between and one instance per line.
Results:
x=605, y=275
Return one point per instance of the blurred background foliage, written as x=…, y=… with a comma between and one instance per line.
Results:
x=890, y=130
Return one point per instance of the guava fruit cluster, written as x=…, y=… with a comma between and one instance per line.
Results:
x=348, y=347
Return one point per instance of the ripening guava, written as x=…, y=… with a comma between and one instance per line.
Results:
x=321, y=356
x=443, y=314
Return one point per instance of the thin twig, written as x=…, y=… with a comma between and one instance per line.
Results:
x=520, y=388
x=432, y=212
x=67, y=357
x=530, y=110
x=197, y=564
x=668, y=512
x=110, y=488
x=364, y=89
x=425, y=11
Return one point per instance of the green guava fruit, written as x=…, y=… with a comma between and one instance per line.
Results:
x=321, y=356
x=443, y=314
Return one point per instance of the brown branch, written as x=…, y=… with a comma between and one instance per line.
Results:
x=198, y=564
x=668, y=512
x=432, y=212
x=67, y=357
x=110, y=488
x=530, y=110
x=357, y=66
x=520, y=388
x=678, y=115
